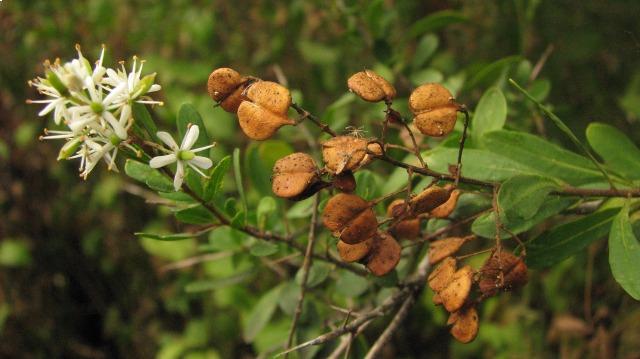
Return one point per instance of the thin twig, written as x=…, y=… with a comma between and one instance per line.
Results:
x=463, y=109
x=416, y=148
x=382, y=340
x=306, y=265
x=307, y=115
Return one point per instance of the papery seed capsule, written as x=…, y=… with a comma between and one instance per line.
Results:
x=344, y=153
x=446, y=209
x=503, y=271
x=465, y=324
x=350, y=218
x=222, y=82
x=440, y=249
x=384, y=255
x=441, y=276
x=293, y=175
x=434, y=109
x=354, y=252
x=429, y=199
x=456, y=292
x=344, y=182
x=371, y=87
x=408, y=228
x=265, y=110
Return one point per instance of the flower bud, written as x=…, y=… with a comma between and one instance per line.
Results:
x=69, y=148
x=434, y=109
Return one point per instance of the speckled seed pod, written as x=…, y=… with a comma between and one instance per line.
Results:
x=406, y=229
x=502, y=272
x=465, y=324
x=343, y=153
x=429, y=199
x=440, y=249
x=350, y=218
x=446, y=209
x=371, y=87
x=441, y=276
x=455, y=294
x=434, y=109
x=225, y=86
x=265, y=110
x=384, y=255
x=354, y=252
x=345, y=182
x=293, y=175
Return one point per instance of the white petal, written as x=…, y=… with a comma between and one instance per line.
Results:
x=48, y=108
x=154, y=88
x=113, y=94
x=201, y=162
x=190, y=137
x=179, y=177
x=125, y=114
x=161, y=161
x=167, y=139
x=117, y=127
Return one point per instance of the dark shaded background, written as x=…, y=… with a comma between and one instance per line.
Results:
x=74, y=280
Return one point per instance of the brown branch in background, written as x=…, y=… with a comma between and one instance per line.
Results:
x=307, y=115
x=306, y=265
x=541, y=62
x=496, y=215
x=463, y=109
x=416, y=148
x=384, y=338
x=443, y=230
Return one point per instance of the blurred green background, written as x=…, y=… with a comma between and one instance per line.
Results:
x=76, y=282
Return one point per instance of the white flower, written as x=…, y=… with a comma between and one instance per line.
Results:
x=182, y=155
x=135, y=87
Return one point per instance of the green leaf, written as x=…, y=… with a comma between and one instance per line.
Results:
x=141, y=115
x=145, y=174
x=260, y=158
x=238, y=220
x=213, y=284
x=490, y=73
x=187, y=114
x=266, y=207
x=165, y=237
x=214, y=184
x=426, y=48
x=317, y=53
x=624, y=254
x=194, y=215
x=520, y=197
x=567, y=239
x=237, y=172
x=484, y=226
x=617, y=150
x=367, y=185
x=490, y=114
x=479, y=164
x=436, y=21
x=318, y=272
x=545, y=158
x=261, y=314
x=14, y=253
x=263, y=248
x=351, y=285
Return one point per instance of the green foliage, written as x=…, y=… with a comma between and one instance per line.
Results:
x=624, y=253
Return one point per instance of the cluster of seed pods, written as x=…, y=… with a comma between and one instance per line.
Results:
x=261, y=108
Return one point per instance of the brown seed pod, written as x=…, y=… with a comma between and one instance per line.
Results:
x=440, y=249
x=441, y=276
x=222, y=82
x=354, y=252
x=373, y=148
x=270, y=95
x=434, y=108
x=465, y=324
x=343, y=153
x=429, y=199
x=408, y=228
x=444, y=210
x=384, y=255
x=502, y=272
x=371, y=87
x=350, y=218
x=259, y=123
x=344, y=182
x=455, y=294
x=232, y=102
x=293, y=174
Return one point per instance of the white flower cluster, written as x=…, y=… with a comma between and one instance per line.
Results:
x=94, y=103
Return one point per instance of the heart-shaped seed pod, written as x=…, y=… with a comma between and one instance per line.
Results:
x=270, y=95
x=440, y=249
x=502, y=272
x=350, y=218
x=429, y=199
x=373, y=148
x=345, y=182
x=354, y=252
x=408, y=228
x=384, y=255
x=444, y=210
x=371, y=87
x=232, y=102
x=222, y=82
x=455, y=294
x=434, y=109
x=343, y=153
x=465, y=324
x=293, y=174
x=259, y=123
x=441, y=276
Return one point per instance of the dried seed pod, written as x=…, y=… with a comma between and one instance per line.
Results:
x=343, y=153
x=429, y=199
x=465, y=324
x=434, y=109
x=222, y=82
x=441, y=276
x=344, y=181
x=350, y=218
x=455, y=294
x=384, y=255
x=371, y=87
x=270, y=95
x=436, y=299
x=408, y=228
x=259, y=123
x=373, y=148
x=232, y=102
x=444, y=210
x=354, y=252
x=502, y=272
x=293, y=174
x=440, y=249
